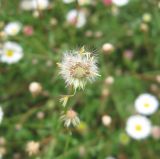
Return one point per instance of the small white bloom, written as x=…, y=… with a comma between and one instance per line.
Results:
x=34, y=4
x=70, y=118
x=40, y=4
x=11, y=52
x=138, y=127
x=27, y=5
x=12, y=28
x=78, y=68
x=1, y=114
x=146, y=104
x=68, y=1
x=77, y=18
x=120, y=2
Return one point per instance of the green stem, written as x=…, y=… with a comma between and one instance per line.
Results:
x=67, y=141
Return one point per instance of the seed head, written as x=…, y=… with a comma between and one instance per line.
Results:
x=78, y=67
x=70, y=118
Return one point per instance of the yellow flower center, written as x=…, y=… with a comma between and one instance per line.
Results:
x=14, y=30
x=146, y=105
x=9, y=53
x=138, y=127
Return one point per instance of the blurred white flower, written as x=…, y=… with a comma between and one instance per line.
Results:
x=34, y=4
x=1, y=114
x=84, y=2
x=146, y=104
x=11, y=52
x=120, y=2
x=40, y=4
x=32, y=148
x=68, y=1
x=70, y=118
x=78, y=67
x=76, y=18
x=138, y=127
x=12, y=28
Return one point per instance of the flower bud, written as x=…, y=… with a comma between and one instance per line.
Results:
x=109, y=80
x=156, y=132
x=144, y=27
x=147, y=17
x=106, y=120
x=105, y=92
x=35, y=88
x=108, y=48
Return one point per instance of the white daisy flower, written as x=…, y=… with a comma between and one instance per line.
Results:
x=138, y=127
x=11, y=52
x=34, y=4
x=12, y=28
x=78, y=67
x=1, y=114
x=76, y=18
x=146, y=104
x=68, y=1
x=120, y=2
x=70, y=118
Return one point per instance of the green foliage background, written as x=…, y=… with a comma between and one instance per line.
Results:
x=48, y=43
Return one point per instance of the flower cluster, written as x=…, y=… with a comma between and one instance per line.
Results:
x=11, y=52
x=139, y=126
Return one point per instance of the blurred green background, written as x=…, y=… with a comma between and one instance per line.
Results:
x=28, y=118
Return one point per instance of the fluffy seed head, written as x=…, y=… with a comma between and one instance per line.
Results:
x=78, y=67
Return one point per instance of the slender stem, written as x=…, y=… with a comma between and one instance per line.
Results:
x=67, y=141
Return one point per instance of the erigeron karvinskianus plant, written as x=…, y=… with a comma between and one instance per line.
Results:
x=77, y=68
